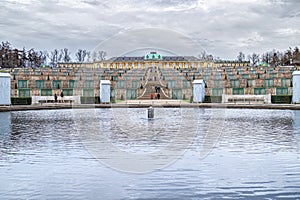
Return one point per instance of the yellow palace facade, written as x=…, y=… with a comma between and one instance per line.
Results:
x=154, y=59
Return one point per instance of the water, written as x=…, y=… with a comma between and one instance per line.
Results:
x=120, y=154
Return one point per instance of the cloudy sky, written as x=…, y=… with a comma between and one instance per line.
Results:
x=220, y=27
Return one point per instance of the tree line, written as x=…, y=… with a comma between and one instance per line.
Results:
x=12, y=57
x=272, y=58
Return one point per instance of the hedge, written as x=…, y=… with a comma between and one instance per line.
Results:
x=90, y=100
x=281, y=99
x=21, y=100
x=213, y=99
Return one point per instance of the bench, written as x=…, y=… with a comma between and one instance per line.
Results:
x=53, y=101
x=50, y=99
x=247, y=99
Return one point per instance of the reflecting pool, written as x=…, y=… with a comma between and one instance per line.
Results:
x=120, y=154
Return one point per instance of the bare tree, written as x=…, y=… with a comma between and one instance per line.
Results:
x=217, y=58
x=241, y=56
x=267, y=57
x=23, y=58
x=80, y=55
x=94, y=56
x=65, y=54
x=209, y=57
x=275, y=59
x=88, y=56
x=101, y=55
x=44, y=55
x=206, y=57
x=202, y=55
x=287, y=57
x=296, y=56
x=4, y=54
x=254, y=59
x=53, y=56
x=35, y=58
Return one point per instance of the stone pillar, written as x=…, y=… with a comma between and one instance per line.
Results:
x=105, y=91
x=296, y=87
x=150, y=112
x=198, y=91
x=5, y=89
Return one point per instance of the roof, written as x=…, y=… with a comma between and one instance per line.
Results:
x=198, y=81
x=125, y=58
x=231, y=61
x=104, y=82
x=7, y=75
x=163, y=58
x=296, y=73
x=153, y=56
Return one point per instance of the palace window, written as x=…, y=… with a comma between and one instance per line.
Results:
x=245, y=76
x=26, y=71
x=135, y=84
x=68, y=92
x=54, y=72
x=40, y=84
x=218, y=84
x=217, y=91
x=186, y=84
x=24, y=92
x=273, y=75
x=22, y=84
x=120, y=84
x=285, y=82
x=131, y=94
x=88, y=84
x=56, y=84
x=177, y=94
x=71, y=83
x=88, y=92
x=234, y=83
x=171, y=84
x=249, y=83
x=238, y=91
x=282, y=91
x=259, y=91
x=268, y=82
x=46, y=92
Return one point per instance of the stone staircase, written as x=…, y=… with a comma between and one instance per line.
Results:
x=149, y=88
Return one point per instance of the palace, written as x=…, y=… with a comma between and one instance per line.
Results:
x=136, y=78
x=155, y=59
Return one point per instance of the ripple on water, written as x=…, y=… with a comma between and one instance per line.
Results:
x=251, y=154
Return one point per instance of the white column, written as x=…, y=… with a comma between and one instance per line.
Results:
x=5, y=89
x=105, y=91
x=198, y=91
x=296, y=87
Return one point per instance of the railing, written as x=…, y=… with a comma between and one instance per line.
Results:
x=141, y=95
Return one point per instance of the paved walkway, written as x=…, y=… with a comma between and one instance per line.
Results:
x=147, y=103
x=155, y=102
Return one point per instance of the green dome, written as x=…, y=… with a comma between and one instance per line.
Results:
x=153, y=56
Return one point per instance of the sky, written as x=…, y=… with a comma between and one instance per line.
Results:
x=222, y=28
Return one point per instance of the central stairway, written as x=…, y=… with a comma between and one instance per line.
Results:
x=149, y=88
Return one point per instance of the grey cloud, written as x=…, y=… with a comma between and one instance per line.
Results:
x=223, y=29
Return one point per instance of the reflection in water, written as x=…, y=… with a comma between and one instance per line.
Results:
x=44, y=154
x=5, y=120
